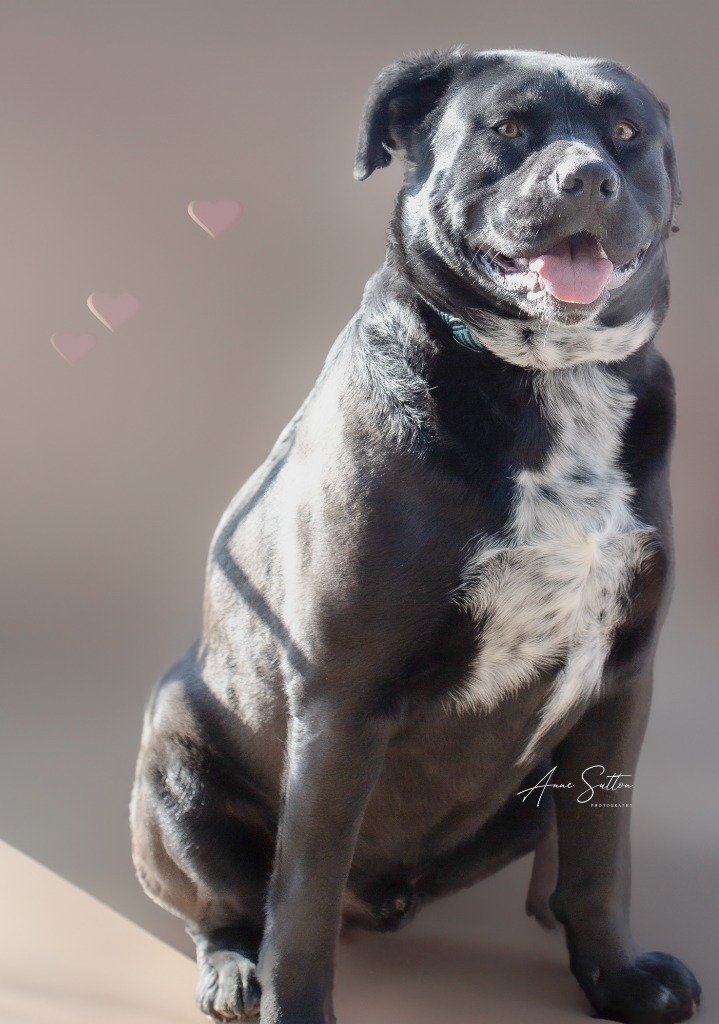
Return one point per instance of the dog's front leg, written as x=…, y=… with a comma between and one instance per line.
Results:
x=333, y=760
x=621, y=982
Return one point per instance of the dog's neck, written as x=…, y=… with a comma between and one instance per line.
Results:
x=459, y=329
x=549, y=346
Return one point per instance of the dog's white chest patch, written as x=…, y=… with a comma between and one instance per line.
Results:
x=548, y=591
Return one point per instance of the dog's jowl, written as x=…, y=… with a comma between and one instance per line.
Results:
x=435, y=606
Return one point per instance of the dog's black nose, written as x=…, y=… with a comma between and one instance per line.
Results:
x=588, y=178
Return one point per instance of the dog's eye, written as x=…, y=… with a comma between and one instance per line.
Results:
x=508, y=129
x=624, y=131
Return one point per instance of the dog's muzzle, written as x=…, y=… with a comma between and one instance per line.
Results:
x=575, y=270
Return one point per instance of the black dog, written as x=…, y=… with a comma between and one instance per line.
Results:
x=447, y=579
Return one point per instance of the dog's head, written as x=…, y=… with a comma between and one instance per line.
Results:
x=538, y=187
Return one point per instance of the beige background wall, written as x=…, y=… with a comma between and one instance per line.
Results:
x=113, y=117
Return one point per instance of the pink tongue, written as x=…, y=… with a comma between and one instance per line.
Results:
x=573, y=271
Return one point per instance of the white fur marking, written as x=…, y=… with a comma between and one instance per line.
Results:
x=557, y=345
x=550, y=587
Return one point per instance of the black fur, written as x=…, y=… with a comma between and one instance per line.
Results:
x=448, y=578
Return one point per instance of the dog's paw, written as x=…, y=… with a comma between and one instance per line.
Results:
x=227, y=988
x=656, y=989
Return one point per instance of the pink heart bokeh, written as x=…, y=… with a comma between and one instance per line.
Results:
x=73, y=347
x=214, y=218
x=113, y=310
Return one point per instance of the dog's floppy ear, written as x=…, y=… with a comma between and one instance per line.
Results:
x=399, y=100
x=670, y=161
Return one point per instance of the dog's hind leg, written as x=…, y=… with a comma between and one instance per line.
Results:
x=202, y=846
x=544, y=877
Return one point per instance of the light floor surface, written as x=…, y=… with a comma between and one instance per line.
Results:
x=65, y=958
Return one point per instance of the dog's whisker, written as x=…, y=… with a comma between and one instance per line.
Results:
x=419, y=255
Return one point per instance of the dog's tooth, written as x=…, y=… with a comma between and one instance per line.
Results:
x=522, y=261
x=602, y=253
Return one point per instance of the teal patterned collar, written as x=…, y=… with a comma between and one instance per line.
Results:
x=459, y=329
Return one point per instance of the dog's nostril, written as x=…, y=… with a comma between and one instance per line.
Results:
x=570, y=183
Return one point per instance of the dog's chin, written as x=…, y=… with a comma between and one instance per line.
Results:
x=545, y=307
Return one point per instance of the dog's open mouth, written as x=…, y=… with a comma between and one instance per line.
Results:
x=576, y=270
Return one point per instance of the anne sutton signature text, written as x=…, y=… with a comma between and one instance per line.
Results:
x=594, y=778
